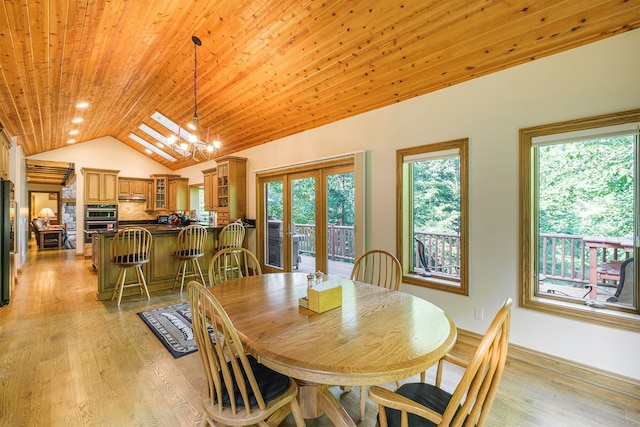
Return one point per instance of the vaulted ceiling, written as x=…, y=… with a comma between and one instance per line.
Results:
x=266, y=69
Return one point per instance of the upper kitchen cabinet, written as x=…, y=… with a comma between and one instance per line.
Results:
x=170, y=193
x=133, y=188
x=210, y=189
x=4, y=157
x=100, y=185
x=178, y=194
x=232, y=188
x=160, y=188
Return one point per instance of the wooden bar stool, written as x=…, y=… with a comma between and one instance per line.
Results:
x=191, y=241
x=130, y=249
x=231, y=236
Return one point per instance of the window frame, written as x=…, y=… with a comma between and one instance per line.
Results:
x=528, y=241
x=404, y=218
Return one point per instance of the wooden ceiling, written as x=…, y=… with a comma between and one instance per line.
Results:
x=266, y=69
x=48, y=172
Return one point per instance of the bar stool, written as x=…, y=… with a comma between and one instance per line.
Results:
x=191, y=241
x=231, y=236
x=130, y=249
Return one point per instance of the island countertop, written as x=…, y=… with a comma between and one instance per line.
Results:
x=160, y=271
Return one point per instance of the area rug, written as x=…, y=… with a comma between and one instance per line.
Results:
x=172, y=326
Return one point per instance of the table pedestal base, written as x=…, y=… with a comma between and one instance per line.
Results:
x=316, y=400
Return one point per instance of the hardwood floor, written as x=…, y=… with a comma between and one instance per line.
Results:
x=69, y=360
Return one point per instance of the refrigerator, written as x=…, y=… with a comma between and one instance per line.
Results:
x=8, y=215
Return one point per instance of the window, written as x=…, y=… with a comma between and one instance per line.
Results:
x=432, y=215
x=579, y=208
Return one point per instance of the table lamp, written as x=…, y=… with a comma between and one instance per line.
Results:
x=47, y=214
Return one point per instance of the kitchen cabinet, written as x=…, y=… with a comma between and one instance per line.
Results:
x=150, y=194
x=100, y=185
x=210, y=189
x=170, y=193
x=232, y=188
x=132, y=188
x=4, y=158
x=160, y=189
x=178, y=194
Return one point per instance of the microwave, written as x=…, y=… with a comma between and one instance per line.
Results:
x=163, y=219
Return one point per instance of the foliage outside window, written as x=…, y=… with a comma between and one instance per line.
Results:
x=432, y=215
x=579, y=216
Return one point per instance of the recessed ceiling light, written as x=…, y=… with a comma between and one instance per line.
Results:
x=71, y=141
x=82, y=105
x=74, y=132
x=148, y=151
x=77, y=120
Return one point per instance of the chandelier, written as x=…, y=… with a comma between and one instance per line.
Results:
x=190, y=145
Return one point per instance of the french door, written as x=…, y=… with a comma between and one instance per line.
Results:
x=307, y=219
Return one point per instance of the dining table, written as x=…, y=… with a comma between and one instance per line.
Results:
x=376, y=336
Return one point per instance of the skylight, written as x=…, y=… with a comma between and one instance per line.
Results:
x=151, y=147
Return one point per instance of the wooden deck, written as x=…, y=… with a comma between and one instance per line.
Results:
x=336, y=268
x=604, y=292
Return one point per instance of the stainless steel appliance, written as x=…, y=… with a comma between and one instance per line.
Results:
x=8, y=212
x=99, y=217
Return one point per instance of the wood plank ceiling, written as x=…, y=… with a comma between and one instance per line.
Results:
x=266, y=69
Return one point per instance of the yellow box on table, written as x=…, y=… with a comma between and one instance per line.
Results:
x=323, y=296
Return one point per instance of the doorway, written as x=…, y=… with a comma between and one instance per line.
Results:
x=46, y=205
x=307, y=218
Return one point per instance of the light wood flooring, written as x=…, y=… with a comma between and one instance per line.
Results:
x=69, y=360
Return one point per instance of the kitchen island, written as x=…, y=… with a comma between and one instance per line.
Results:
x=160, y=271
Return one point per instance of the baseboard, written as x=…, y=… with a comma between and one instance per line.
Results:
x=564, y=368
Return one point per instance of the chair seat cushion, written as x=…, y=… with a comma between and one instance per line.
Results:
x=425, y=394
x=272, y=384
x=129, y=258
x=189, y=252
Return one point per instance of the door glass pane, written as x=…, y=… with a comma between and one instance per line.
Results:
x=274, y=213
x=340, y=223
x=303, y=224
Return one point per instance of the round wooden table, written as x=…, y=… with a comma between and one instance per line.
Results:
x=376, y=336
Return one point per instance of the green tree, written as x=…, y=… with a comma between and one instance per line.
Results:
x=586, y=187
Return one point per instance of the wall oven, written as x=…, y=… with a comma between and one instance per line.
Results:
x=99, y=217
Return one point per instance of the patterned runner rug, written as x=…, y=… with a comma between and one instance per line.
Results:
x=172, y=326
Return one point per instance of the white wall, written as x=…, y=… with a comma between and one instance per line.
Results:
x=595, y=79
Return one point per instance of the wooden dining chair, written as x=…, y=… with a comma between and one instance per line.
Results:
x=240, y=390
x=380, y=268
x=130, y=248
x=189, y=248
x=421, y=404
x=231, y=236
x=232, y=263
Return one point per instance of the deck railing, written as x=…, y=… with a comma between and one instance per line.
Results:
x=563, y=257
x=441, y=249
x=340, y=241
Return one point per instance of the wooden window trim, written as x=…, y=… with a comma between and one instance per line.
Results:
x=404, y=223
x=556, y=304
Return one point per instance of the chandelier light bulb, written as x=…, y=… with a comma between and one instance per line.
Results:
x=217, y=144
x=184, y=146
